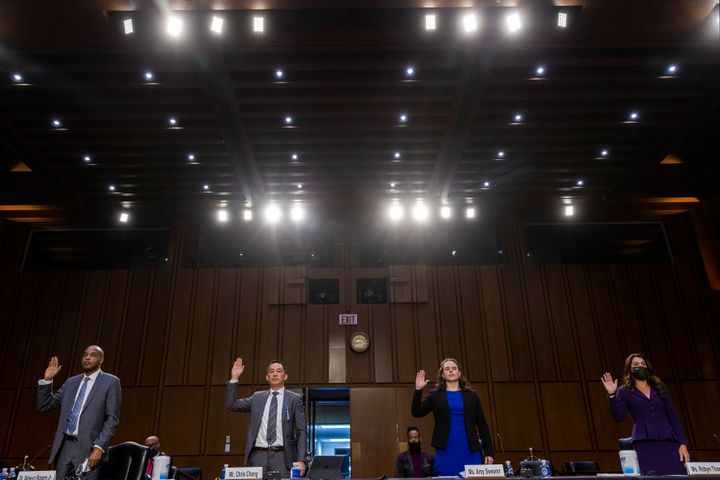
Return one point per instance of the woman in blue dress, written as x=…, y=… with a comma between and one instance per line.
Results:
x=461, y=435
x=657, y=435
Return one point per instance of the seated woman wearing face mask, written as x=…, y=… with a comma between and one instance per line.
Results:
x=657, y=435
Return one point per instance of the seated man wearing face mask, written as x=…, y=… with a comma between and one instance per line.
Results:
x=153, y=443
x=414, y=462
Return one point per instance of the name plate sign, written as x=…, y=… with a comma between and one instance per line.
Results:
x=244, y=472
x=37, y=475
x=702, y=469
x=484, y=471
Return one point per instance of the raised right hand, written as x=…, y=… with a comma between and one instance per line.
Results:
x=52, y=369
x=237, y=369
x=609, y=383
x=420, y=380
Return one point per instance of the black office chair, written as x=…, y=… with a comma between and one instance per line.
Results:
x=127, y=461
x=534, y=467
x=582, y=467
x=625, y=443
x=187, y=473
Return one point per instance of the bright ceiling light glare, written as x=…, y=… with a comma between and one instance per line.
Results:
x=540, y=71
x=569, y=210
x=420, y=212
x=430, y=22
x=580, y=183
x=396, y=212
x=258, y=24
x=470, y=23
x=206, y=187
x=56, y=123
x=403, y=118
x=500, y=154
x=486, y=184
x=295, y=157
x=513, y=22
x=410, y=71
x=392, y=184
x=172, y=122
x=445, y=212
x=111, y=188
x=470, y=212
x=288, y=120
x=149, y=76
x=216, y=25
x=174, y=27
x=633, y=117
x=87, y=159
x=562, y=20
x=397, y=155
x=128, y=26
x=124, y=217
x=273, y=214
x=299, y=186
x=672, y=69
x=279, y=74
x=297, y=213
x=247, y=215
x=222, y=215
x=17, y=78
x=604, y=153
x=453, y=253
x=517, y=119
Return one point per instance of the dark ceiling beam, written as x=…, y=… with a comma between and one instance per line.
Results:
x=222, y=99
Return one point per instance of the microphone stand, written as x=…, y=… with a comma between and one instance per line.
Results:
x=25, y=465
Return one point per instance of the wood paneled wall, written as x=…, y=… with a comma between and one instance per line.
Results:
x=533, y=340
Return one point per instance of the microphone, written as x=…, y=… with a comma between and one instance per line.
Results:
x=28, y=465
x=502, y=448
x=716, y=437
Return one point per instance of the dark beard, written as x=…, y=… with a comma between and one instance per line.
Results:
x=414, y=447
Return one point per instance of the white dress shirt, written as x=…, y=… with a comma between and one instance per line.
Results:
x=261, y=440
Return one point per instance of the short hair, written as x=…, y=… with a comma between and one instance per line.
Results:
x=412, y=428
x=276, y=361
x=99, y=350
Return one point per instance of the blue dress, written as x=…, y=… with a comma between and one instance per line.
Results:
x=452, y=460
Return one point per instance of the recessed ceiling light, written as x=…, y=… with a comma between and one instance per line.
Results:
x=258, y=24
x=430, y=22
x=56, y=123
x=297, y=213
x=216, y=26
x=149, y=76
x=17, y=77
x=397, y=155
x=486, y=184
x=288, y=120
x=174, y=26
x=513, y=22
x=273, y=214
x=294, y=156
x=172, y=121
x=395, y=212
x=206, y=187
x=111, y=188
x=580, y=183
x=279, y=74
x=562, y=20
x=392, y=184
x=124, y=217
x=87, y=158
x=470, y=212
x=633, y=117
x=410, y=71
x=540, y=70
x=299, y=186
x=247, y=215
x=445, y=211
x=470, y=23
x=403, y=118
x=222, y=215
x=604, y=152
x=569, y=210
x=518, y=117
x=453, y=253
x=500, y=154
x=128, y=26
x=420, y=212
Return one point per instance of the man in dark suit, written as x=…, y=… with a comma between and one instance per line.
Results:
x=89, y=413
x=414, y=462
x=277, y=435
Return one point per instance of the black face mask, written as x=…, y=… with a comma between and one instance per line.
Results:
x=641, y=373
x=414, y=447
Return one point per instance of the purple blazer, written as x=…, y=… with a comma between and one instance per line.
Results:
x=654, y=418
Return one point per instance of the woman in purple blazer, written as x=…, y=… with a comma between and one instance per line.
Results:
x=657, y=434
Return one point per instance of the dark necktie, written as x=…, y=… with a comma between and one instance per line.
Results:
x=272, y=420
x=75, y=413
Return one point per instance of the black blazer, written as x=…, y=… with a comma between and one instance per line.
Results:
x=475, y=423
x=404, y=465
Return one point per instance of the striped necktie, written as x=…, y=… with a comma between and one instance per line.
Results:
x=75, y=413
x=272, y=420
